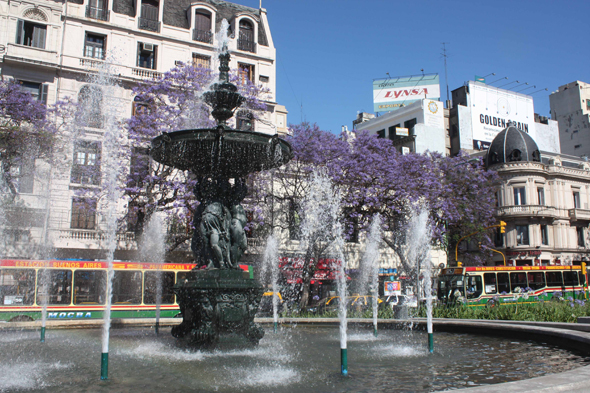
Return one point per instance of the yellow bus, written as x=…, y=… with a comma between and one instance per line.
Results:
x=77, y=289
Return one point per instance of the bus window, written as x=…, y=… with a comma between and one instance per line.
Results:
x=474, y=287
x=489, y=280
x=536, y=280
x=518, y=280
x=570, y=278
x=127, y=287
x=151, y=287
x=56, y=284
x=582, y=278
x=503, y=283
x=181, y=276
x=554, y=279
x=17, y=287
x=90, y=286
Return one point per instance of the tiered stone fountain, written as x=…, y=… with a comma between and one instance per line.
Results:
x=218, y=297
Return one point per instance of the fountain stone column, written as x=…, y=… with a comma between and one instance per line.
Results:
x=218, y=296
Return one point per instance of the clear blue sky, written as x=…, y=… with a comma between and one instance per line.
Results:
x=329, y=51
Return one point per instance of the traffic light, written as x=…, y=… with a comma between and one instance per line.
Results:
x=502, y=227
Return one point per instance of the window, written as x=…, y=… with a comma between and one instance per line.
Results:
x=86, y=166
x=246, y=39
x=166, y=282
x=246, y=73
x=97, y=9
x=90, y=107
x=577, y=199
x=55, y=286
x=201, y=61
x=536, y=280
x=127, y=287
x=31, y=34
x=381, y=134
x=83, y=213
x=498, y=238
x=489, y=280
x=17, y=287
x=541, y=195
x=474, y=287
x=518, y=280
x=146, y=55
x=580, y=235
x=570, y=279
x=90, y=286
x=522, y=235
x=37, y=90
x=544, y=235
x=503, y=283
x=498, y=198
x=410, y=124
x=94, y=46
x=519, y=196
x=554, y=279
x=149, y=16
x=202, y=30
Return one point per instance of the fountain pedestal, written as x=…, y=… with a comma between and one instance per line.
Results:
x=218, y=301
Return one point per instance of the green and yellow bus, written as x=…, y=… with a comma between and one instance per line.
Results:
x=481, y=286
x=77, y=289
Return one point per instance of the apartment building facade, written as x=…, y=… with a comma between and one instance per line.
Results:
x=52, y=48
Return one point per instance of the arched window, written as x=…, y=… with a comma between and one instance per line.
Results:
x=246, y=38
x=515, y=155
x=90, y=106
x=537, y=156
x=202, y=30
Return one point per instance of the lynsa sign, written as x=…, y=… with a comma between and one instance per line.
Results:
x=391, y=93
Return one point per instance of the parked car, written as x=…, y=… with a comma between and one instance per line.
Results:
x=265, y=307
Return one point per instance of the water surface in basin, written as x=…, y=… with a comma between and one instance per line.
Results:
x=291, y=360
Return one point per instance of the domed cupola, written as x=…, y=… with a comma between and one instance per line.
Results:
x=512, y=145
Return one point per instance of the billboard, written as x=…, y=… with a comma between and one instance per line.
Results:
x=391, y=288
x=491, y=110
x=391, y=93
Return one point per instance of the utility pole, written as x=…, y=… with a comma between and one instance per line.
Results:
x=444, y=54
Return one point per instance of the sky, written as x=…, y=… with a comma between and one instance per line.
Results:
x=330, y=51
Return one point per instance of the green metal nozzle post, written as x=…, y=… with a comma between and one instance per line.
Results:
x=104, y=366
x=375, y=331
x=157, y=327
x=42, y=334
x=430, y=342
x=344, y=361
x=276, y=327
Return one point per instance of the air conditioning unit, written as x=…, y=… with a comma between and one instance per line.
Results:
x=148, y=47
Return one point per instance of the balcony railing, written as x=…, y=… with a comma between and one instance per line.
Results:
x=97, y=13
x=530, y=210
x=144, y=73
x=579, y=214
x=246, y=45
x=84, y=235
x=149, y=24
x=202, y=36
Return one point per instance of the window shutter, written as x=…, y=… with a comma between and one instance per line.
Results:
x=39, y=36
x=43, y=93
x=20, y=27
x=154, y=57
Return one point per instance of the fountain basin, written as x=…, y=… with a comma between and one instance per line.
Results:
x=220, y=151
x=305, y=358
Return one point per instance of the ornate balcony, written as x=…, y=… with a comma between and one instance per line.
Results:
x=149, y=24
x=203, y=36
x=246, y=45
x=530, y=211
x=97, y=13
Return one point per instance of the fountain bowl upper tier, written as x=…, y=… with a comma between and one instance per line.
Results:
x=220, y=151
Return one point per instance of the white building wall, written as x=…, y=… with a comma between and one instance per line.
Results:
x=570, y=107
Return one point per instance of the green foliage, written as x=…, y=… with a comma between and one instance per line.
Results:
x=551, y=311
